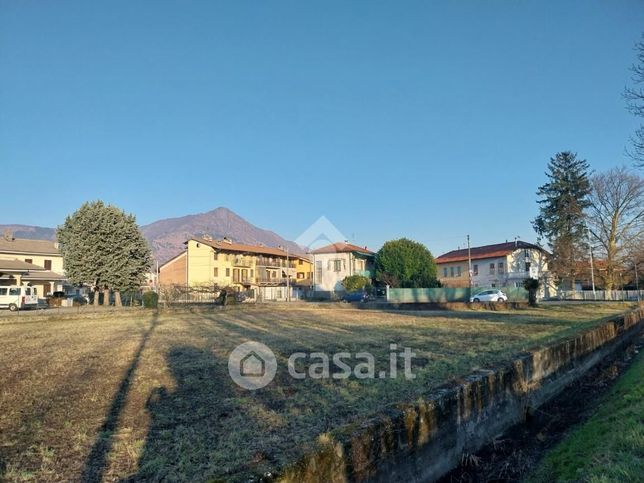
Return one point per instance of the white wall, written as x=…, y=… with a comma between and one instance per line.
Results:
x=330, y=279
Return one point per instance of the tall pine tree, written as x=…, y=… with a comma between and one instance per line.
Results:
x=563, y=200
x=103, y=247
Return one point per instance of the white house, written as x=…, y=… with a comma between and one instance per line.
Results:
x=500, y=265
x=334, y=262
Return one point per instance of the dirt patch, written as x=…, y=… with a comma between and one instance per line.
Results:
x=513, y=455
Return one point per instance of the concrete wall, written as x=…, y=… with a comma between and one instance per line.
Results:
x=424, y=440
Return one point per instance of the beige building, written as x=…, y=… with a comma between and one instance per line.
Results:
x=37, y=262
x=264, y=271
x=500, y=265
x=334, y=262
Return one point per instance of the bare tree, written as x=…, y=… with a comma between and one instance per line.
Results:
x=635, y=100
x=616, y=218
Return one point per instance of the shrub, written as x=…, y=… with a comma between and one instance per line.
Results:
x=150, y=300
x=354, y=283
x=407, y=264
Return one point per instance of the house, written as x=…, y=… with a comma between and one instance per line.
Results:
x=37, y=262
x=501, y=265
x=334, y=262
x=264, y=272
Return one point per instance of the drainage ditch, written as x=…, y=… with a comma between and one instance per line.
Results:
x=515, y=454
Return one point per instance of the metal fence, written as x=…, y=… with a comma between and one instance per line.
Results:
x=447, y=294
x=604, y=295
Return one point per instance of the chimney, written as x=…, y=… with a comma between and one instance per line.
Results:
x=227, y=240
x=207, y=237
x=8, y=234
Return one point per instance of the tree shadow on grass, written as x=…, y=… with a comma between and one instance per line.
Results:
x=96, y=461
x=190, y=428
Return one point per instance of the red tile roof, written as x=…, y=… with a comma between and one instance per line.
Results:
x=487, y=251
x=242, y=248
x=343, y=248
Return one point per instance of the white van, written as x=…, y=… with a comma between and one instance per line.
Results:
x=18, y=297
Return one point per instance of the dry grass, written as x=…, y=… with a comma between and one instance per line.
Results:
x=137, y=395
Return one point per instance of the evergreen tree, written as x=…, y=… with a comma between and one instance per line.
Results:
x=103, y=247
x=406, y=263
x=563, y=200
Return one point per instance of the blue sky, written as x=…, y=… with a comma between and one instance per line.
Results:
x=429, y=120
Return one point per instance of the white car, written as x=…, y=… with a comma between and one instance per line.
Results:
x=489, y=296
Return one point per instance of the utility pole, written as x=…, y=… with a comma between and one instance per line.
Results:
x=288, y=278
x=592, y=271
x=469, y=263
x=637, y=281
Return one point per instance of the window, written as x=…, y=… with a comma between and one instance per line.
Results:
x=500, y=267
x=527, y=266
x=14, y=291
x=215, y=256
x=491, y=268
x=458, y=271
x=27, y=291
x=300, y=262
x=518, y=284
x=228, y=272
x=216, y=272
x=451, y=271
x=300, y=275
x=29, y=260
x=252, y=273
x=475, y=269
x=445, y=272
x=47, y=264
x=3, y=291
x=493, y=285
x=337, y=265
x=318, y=271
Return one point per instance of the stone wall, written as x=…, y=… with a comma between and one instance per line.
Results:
x=424, y=440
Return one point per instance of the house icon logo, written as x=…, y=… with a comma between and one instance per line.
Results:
x=252, y=365
x=320, y=233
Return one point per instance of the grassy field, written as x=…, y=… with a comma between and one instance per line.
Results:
x=609, y=447
x=138, y=395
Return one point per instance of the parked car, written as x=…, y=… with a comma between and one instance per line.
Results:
x=489, y=296
x=18, y=297
x=355, y=297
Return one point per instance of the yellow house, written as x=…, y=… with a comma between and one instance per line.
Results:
x=213, y=263
x=40, y=260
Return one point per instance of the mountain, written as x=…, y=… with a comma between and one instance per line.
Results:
x=30, y=232
x=167, y=236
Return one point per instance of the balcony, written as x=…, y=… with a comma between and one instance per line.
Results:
x=243, y=280
x=274, y=262
x=364, y=273
x=242, y=262
x=272, y=281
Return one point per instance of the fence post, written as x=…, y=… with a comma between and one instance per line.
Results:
x=387, y=292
